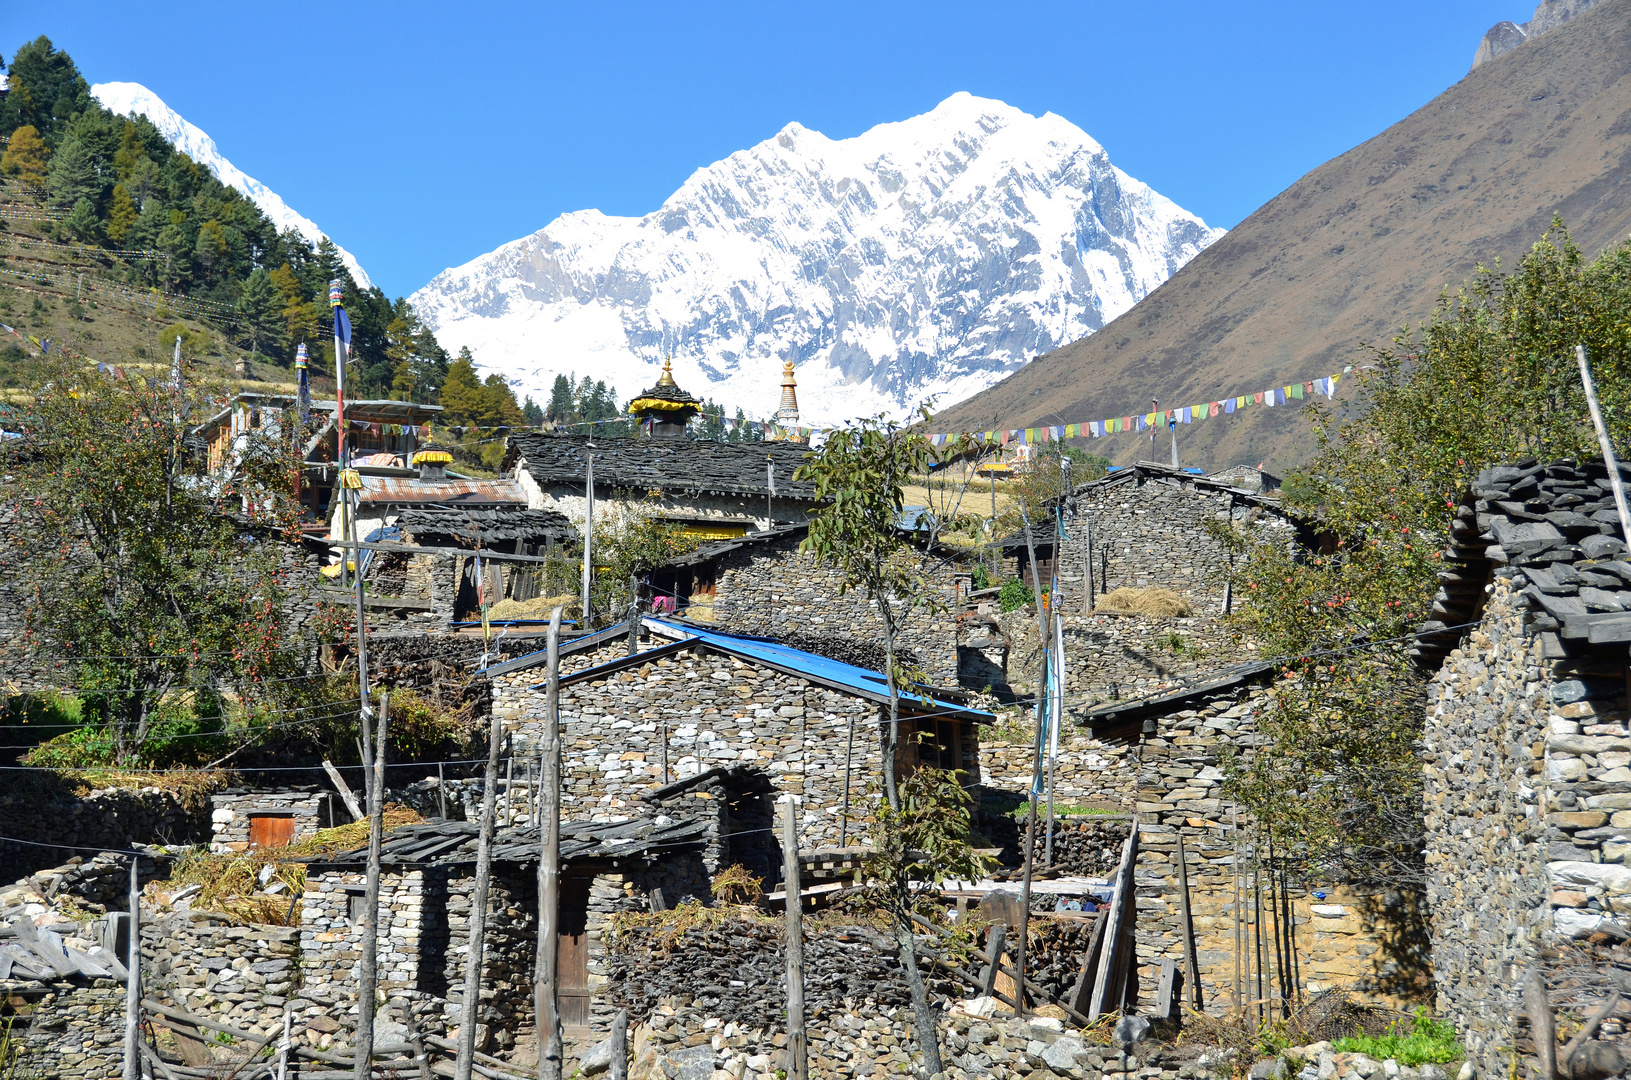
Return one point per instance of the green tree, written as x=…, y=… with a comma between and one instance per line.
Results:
x=530, y=411
x=463, y=398
x=121, y=214
x=47, y=90
x=147, y=585
x=859, y=475
x=1490, y=378
x=211, y=247
x=924, y=839
x=258, y=309
x=25, y=157
x=73, y=174
x=561, y=408
x=81, y=222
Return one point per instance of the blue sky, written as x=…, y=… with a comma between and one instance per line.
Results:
x=422, y=135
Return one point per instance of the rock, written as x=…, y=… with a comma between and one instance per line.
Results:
x=1131, y=1030
x=982, y=1007
x=1390, y=1068
x=694, y=1063
x=389, y=1033
x=1466, y=1071
x=1061, y=1056
x=1268, y=1069
x=1432, y=1072
x=597, y=1059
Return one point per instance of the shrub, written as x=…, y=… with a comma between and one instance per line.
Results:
x=1417, y=1041
x=1014, y=595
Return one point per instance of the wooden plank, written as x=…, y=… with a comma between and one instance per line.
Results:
x=1186, y=925
x=1109, y=956
x=1090, y=962
x=1166, y=989
x=993, y=959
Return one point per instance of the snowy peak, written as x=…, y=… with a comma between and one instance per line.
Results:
x=928, y=256
x=127, y=98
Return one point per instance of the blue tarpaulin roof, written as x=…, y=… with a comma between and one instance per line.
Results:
x=818, y=669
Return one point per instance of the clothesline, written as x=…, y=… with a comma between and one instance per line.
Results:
x=1188, y=414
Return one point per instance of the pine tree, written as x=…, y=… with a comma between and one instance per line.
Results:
x=462, y=396
x=81, y=222
x=46, y=90
x=211, y=247
x=121, y=214
x=561, y=408
x=73, y=174
x=25, y=157
x=259, y=308
x=533, y=414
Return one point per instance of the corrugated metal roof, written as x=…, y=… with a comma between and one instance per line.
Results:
x=402, y=489
x=834, y=673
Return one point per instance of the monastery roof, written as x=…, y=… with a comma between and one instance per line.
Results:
x=685, y=466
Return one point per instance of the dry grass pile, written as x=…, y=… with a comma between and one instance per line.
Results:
x=1152, y=601
x=668, y=928
x=538, y=607
x=734, y=885
x=231, y=883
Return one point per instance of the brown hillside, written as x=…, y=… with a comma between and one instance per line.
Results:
x=1354, y=249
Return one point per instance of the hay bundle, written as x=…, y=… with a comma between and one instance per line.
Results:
x=1152, y=601
x=538, y=607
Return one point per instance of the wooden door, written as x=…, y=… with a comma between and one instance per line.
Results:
x=572, y=953
x=270, y=830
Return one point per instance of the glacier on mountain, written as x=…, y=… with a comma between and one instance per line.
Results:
x=932, y=256
x=126, y=98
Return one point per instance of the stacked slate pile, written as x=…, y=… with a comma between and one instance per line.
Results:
x=1084, y=847
x=1557, y=525
x=725, y=968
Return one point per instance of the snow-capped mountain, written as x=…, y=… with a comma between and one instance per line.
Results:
x=125, y=98
x=930, y=256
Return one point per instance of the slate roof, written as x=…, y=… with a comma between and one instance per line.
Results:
x=434, y=843
x=497, y=523
x=1118, y=716
x=1554, y=528
x=710, y=551
x=1134, y=476
x=683, y=466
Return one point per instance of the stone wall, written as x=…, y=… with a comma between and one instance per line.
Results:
x=775, y=590
x=1154, y=532
x=1107, y=657
x=1369, y=942
x=231, y=809
x=701, y=710
x=76, y=1033
x=1528, y=795
x=104, y=818
x=215, y=967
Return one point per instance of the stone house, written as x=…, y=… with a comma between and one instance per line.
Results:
x=761, y=584
x=427, y=881
x=243, y=818
x=1528, y=753
x=1163, y=758
x=1148, y=525
x=715, y=490
x=694, y=699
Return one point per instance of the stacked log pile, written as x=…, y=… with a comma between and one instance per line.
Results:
x=1084, y=847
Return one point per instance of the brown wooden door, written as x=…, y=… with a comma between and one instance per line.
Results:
x=572, y=953
x=270, y=830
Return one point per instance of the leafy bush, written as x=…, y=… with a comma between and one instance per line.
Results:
x=1014, y=595
x=1417, y=1041
x=189, y=730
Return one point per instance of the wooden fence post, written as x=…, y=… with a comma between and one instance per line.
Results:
x=466, y=1060
x=133, y=980
x=368, y=964
x=546, y=988
x=797, y=1043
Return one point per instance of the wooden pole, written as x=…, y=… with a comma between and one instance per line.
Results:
x=620, y=1045
x=588, y=537
x=993, y=959
x=465, y=1061
x=1604, y=441
x=546, y=989
x=1087, y=570
x=1234, y=867
x=1191, y=961
x=797, y=1043
x=509, y=790
x=283, y=1048
x=368, y=963
x=133, y=978
x=340, y=785
x=441, y=789
x=1025, y=905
